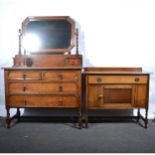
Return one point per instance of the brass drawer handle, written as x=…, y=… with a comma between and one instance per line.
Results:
x=99, y=79
x=137, y=79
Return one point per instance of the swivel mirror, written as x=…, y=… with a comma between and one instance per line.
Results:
x=48, y=34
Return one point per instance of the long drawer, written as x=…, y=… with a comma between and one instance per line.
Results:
x=42, y=101
x=44, y=87
x=106, y=79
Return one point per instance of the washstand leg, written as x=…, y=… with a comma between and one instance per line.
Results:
x=80, y=119
x=86, y=119
x=138, y=114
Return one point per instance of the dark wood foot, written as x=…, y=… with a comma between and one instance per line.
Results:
x=146, y=122
x=18, y=114
x=138, y=114
x=80, y=119
x=86, y=120
x=8, y=119
x=146, y=119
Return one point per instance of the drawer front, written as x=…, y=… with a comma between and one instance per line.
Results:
x=42, y=101
x=24, y=75
x=41, y=87
x=61, y=76
x=16, y=101
x=117, y=79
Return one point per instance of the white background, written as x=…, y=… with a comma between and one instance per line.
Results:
x=112, y=32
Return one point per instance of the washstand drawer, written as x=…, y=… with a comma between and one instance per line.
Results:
x=117, y=79
x=24, y=75
x=17, y=87
x=42, y=101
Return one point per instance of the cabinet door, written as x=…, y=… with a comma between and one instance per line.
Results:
x=110, y=96
x=93, y=98
x=141, y=96
x=117, y=96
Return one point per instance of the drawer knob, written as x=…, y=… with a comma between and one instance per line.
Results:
x=25, y=102
x=98, y=79
x=60, y=88
x=137, y=79
x=60, y=76
x=60, y=102
x=24, y=76
x=100, y=97
x=43, y=74
x=76, y=78
x=40, y=76
x=24, y=88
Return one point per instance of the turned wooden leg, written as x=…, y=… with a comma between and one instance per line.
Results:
x=18, y=114
x=8, y=119
x=80, y=119
x=86, y=119
x=138, y=114
x=146, y=119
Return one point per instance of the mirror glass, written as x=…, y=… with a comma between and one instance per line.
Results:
x=48, y=35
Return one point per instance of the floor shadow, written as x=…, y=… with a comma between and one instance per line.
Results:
x=2, y=121
x=67, y=117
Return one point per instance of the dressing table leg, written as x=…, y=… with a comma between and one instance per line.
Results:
x=86, y=119
x=138, y=114
x=18, y=114
x=80, y=119
x=8, y=119
x=146, y=119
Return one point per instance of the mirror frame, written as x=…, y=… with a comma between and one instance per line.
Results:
x=43, y=18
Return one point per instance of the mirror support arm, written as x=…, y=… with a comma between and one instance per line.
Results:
x=19, y=42
x=77, y=41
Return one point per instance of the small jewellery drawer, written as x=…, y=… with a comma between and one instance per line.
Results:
x=24, y=75
x=117, y=79
x=60, y=76
x=42, y=101
x=17, y=87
